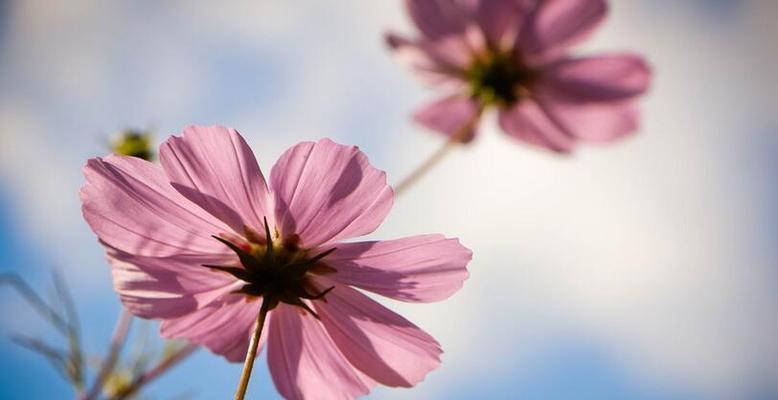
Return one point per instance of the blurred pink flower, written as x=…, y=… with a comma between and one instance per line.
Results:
x=512, y=54
x=188, y=245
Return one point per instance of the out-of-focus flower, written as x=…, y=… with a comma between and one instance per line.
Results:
x=194, y=241
x=133, y=143
x=512, y=55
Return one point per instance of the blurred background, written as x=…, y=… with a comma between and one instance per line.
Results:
x=643, y=270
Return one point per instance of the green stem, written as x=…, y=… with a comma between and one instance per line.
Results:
x=455, y=139
x=248, y=365
x=119, y=336
x=155, y=372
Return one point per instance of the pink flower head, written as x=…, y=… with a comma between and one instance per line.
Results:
x=195, y=242
x=512, y=54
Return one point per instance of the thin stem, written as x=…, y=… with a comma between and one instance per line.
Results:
x=248, y=365
x=152, y=374
x=425, y=166
x=76, y=370
x=35, y=301
x=66, y=322
x=439, y=154
x=117, y=342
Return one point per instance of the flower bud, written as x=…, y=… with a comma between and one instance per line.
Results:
x=133, y=143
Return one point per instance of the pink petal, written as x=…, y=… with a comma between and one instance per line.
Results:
x=435, y=63
x=594, y=121
x=500, y=20
x=449, y=116
x=305, y=363
x=527, y=122
x=215, y=168
x=601, y=78
x=437, y=18
x=382, y=344
x=429, y=69
x=130, y=205
x=224, y=326
x=325, y=191
x=417, y=269
x=168, y=287
x=558, y=24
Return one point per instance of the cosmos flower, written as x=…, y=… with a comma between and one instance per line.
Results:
x=201, y=241
x=512, y=55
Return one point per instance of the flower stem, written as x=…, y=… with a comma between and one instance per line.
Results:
x=248, y=365
x=155, y=372
x=425, y=166
x=117, y=341
x=453, y=140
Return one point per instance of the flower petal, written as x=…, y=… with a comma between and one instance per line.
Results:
x=215, y=168
x=500, y=20
x=594, y=121
x=325, y=191
x=223, y=326
x=527, y=122
x=426, y=67
x=558, y=24
x=437, y=18
x=130, y=205
x=600, y=78
x=449, y=116
x=305, y=363
x=437, y=63
x=382, y=344
x=416, y=269
x=167, y=287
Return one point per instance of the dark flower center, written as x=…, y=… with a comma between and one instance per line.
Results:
x=277, y=271
x=498, y=77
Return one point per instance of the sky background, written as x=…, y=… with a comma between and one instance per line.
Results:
x=643, y=270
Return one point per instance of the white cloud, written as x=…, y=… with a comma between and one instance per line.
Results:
x=647, y=245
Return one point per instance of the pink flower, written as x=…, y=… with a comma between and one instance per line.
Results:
x=512, y=55
x=195, y=241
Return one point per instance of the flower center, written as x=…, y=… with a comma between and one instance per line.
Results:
x=278, y=272
x=499, y=78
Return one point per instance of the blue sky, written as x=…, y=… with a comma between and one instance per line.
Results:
x=644, y=270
